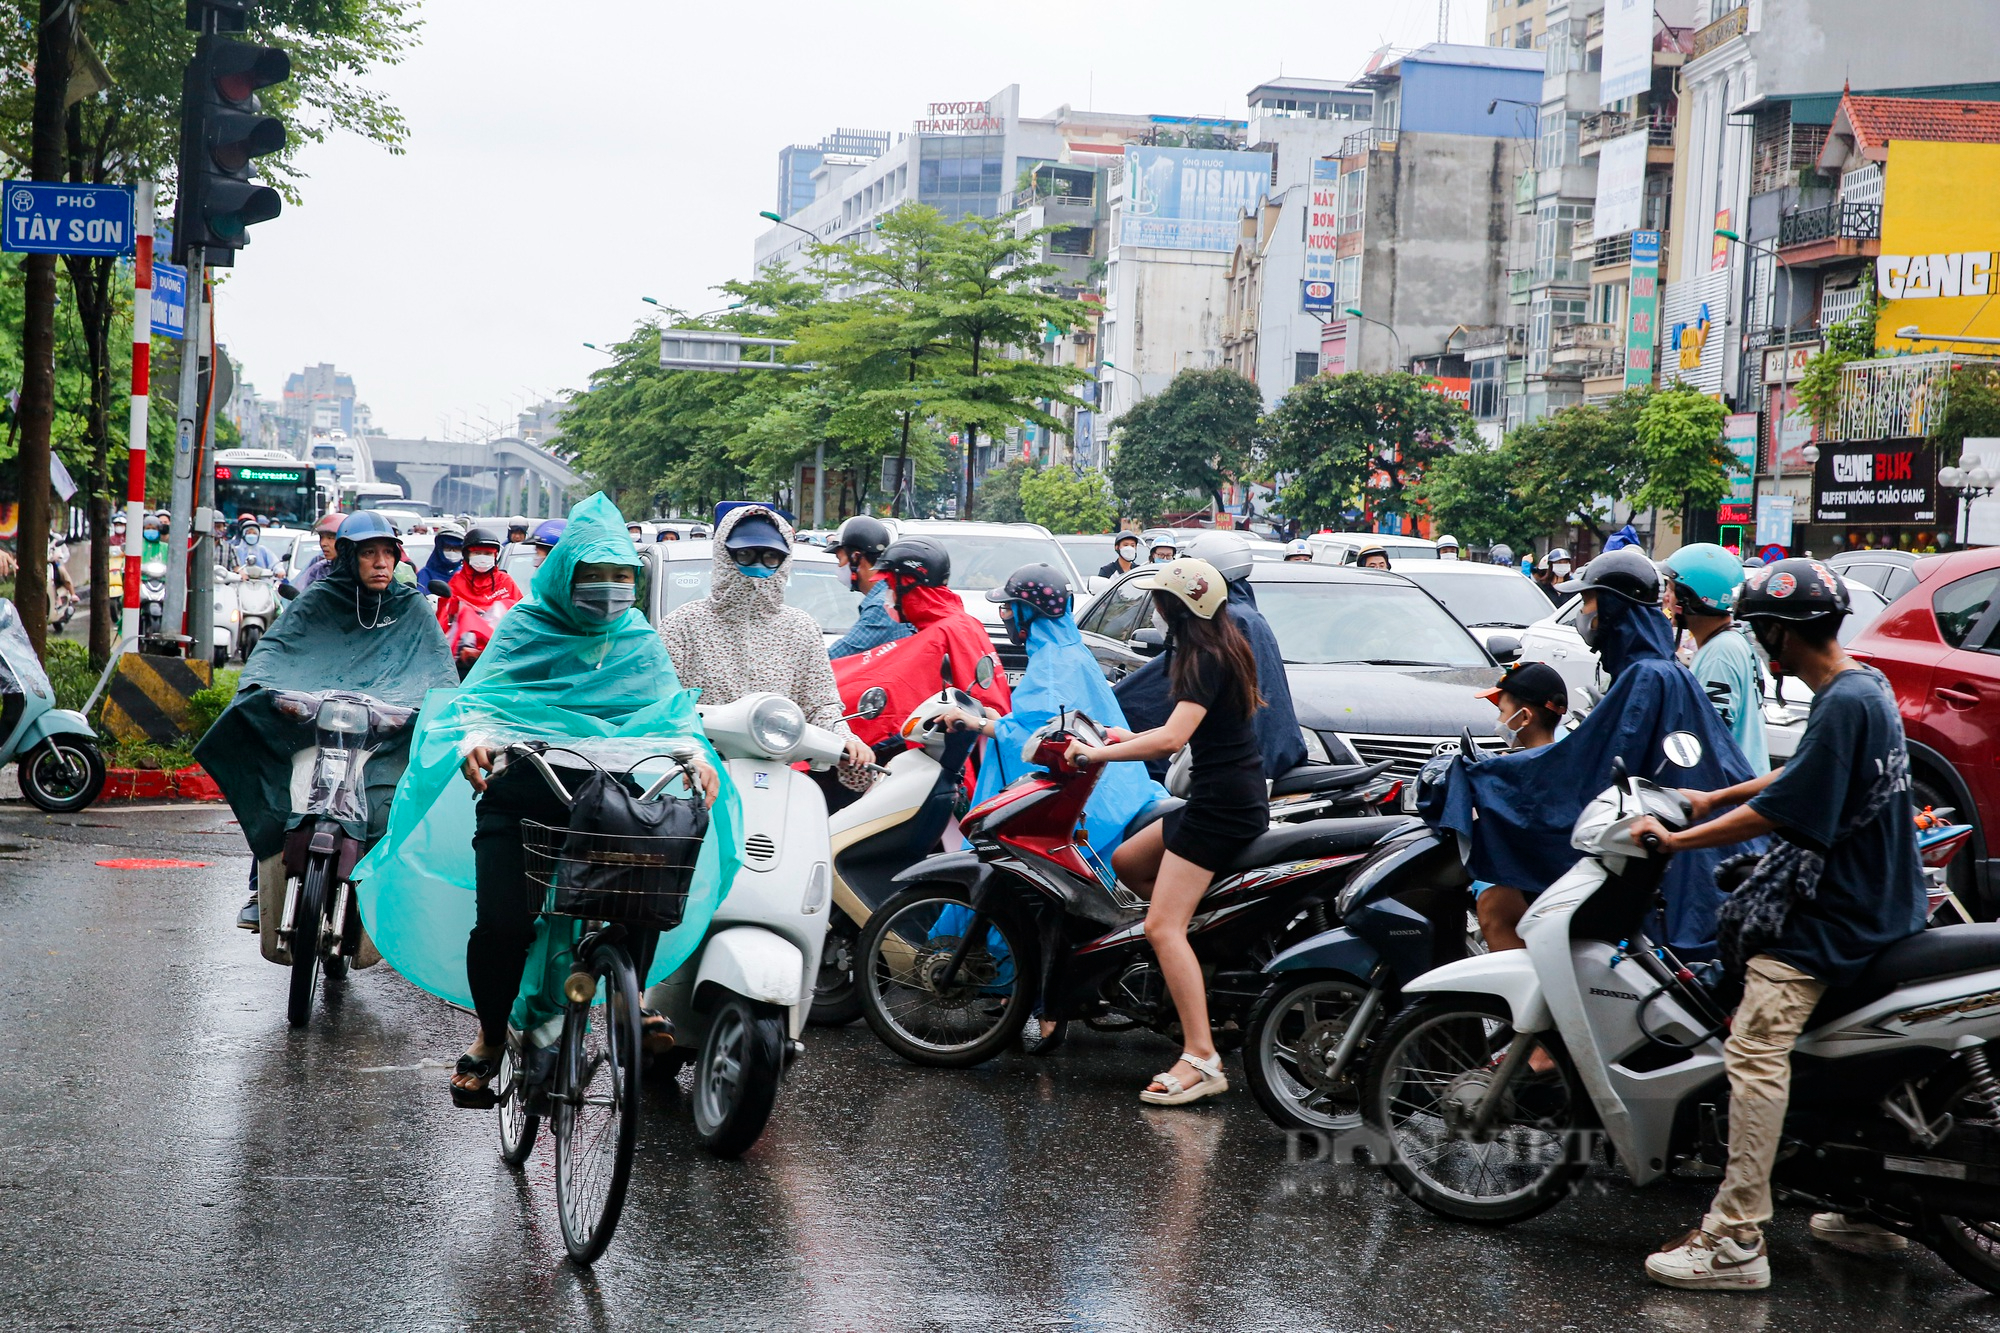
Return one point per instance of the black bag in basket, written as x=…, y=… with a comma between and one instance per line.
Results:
x=643, y=882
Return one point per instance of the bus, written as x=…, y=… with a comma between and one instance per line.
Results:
x=278, y=488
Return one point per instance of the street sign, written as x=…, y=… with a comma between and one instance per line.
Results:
x=1316, y=297
x=1774, y=520
x=169, y=300
x=50, y=218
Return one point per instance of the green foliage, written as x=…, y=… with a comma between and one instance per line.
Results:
x=1186, y=440
x=1570, y=466
x=70, y=674
x=1853, y=339
x=1340, y=439
x=998, y=499
x=1679, y=430
x=1469, y=494
x=149, y=754
x=204, y=706
x=1065, y=501
x=1971, y=410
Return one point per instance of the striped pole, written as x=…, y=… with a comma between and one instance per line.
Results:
x=142, y=353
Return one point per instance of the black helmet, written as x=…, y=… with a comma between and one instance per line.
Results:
x=864, y=535
x=919, y=561
x=1625, y=572
x=1792, y=590
x=486, y=534
x=1044, y=588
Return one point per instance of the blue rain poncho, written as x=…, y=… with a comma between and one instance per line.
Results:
x=1515, y=811
x=548, y=675
x=1062, y=674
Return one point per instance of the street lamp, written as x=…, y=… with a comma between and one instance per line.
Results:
x=1911, y=333
x=599, y=350
x=1785, y=365
x=1355, y=311
x=1973, y=480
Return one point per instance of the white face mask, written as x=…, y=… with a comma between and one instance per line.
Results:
x=481, y=562
x=1560, y=569
x=1448, y=553
x=452, y=555
x=1509, y=728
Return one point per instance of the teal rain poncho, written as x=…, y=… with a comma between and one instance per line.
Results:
x=1062, y=673
x=336, y=636
x=547, y=675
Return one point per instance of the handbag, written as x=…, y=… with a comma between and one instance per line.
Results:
x=625, y=859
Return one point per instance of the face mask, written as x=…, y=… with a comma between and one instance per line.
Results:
x=602, y=602
x=1129, y=554
x=1508, y=728
x=1159, y=559
x=1772, y=641
x=152, y=534
x=756, y=571
x=1560, y=569
x=452, y=557
x=250, y=538
x=1586, y=628
x=481, y=562
x=1447, y=554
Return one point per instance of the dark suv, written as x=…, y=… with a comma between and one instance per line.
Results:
x=1939, y=645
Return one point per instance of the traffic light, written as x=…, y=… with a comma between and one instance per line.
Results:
x=223, y=129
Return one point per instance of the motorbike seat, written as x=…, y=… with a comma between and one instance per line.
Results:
x=1325, y=777
x=1319, y=837
x=1152, y=814
x=1929, y=955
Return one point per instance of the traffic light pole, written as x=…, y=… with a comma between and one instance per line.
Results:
x=142, y=354
x=201, y=578
x=186, y=427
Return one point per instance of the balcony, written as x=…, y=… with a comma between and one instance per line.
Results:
x=1835, y=222
x=1584, y=347
x=1721, y=32
x=1368, y=141
x=1512, y=337
x=1659, y=127
x=1896, y=397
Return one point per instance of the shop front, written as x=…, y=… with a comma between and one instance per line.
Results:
x=1877, y=494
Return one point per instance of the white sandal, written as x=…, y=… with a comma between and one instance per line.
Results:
x=1177, y=1093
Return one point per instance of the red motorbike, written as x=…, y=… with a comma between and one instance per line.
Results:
x=1031, y=924
x=471, y=627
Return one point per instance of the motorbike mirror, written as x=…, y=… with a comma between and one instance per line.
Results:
x=944, y=670
x=1619, y=775
x=1504, y=647
x=287, y=591
x=873, y=701
x=983, y=671
x=1683, y=749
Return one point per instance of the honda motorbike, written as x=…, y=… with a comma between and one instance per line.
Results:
x=1895, y=1106
x=1031, y=923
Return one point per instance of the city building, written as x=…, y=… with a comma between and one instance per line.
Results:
x=316, y=400
x=806, y=170
x=1516, y=23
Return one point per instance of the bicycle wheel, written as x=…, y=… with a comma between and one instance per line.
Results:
x=307, y=921
x=596, y=1117
x=517, y=1126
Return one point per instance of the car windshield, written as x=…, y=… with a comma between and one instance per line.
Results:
x=1480, y=599
x=819, y=590
x=983, y=561
x=1089, y=554
x=1388, y=624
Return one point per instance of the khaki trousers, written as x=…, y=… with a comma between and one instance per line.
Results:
x=1777, y=1000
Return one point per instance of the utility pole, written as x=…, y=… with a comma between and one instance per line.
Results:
x=186, y=426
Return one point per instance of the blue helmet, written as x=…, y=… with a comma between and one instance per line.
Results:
x=1706, y=578
x=364, y=525
x=549, y=532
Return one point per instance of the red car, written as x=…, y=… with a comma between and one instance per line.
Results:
x=1939, y=645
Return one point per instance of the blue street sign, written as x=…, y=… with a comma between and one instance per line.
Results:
x=1316, y=297
x=50, y=218
x=170, y=284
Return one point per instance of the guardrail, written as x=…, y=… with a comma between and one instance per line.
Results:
x=1367, y=141
x=1843, y=221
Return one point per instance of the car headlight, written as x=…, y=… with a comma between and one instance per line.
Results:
x=1315, y=747
x=777, y=725
x=342, y=717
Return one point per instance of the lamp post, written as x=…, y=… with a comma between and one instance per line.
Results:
x=1911, y=333
x=1973, y=480
x=1355, y=311
x=1784, y=366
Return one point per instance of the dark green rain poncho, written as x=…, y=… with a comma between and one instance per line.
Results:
x=548, y=675
x=336, y=636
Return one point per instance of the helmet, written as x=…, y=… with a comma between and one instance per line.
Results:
x=1196, y=584
x=1299, y=547
x=244, y=521
x=1625, y=572
x=864, y=535
x=329, y=525
x=1793, y=590
x=450, y=534
x=364, y=525
x=920, y=561
x=1155, y=538
x=1372, y=548
x=1447, y=543
x=1555, y=553
x=486, y=534
x=1500, y=553
x=549, y=532
x=1229, y=552
x=1042, y=587
x=1706, y=578
x=1753, y=562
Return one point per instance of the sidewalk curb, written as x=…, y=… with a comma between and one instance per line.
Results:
x=186, y=784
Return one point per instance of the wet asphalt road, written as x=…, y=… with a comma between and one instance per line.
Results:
x=173, y=1156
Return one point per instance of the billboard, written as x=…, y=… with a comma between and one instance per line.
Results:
x=1890, y=481
x=1189, y=198
x=1739, y=436
x=1629, y=30
x=1316, y=297
x=1940, y=236
x=1642, y=310
x=1621, y=185
x=1322, y=212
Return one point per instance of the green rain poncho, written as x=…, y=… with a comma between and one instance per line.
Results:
x=548, y=675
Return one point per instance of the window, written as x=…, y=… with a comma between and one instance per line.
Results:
x=1558, y=146
x=1960, y=606
x=961, y=165
x=1119, y=612
x=1350, y=197
x=1305, y=365
x=1489, y=387
x=1524, y=34
x=1555, y=233
x=1071, y=241
x=1546, y=316
x=1349, y=273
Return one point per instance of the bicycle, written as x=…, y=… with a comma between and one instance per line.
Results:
x=605, y=886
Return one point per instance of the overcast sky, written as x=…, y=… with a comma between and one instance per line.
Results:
x=566, y=159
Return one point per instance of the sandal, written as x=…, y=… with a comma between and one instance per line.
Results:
x=481, y=1098
x=656, y=1032
x=1180, y=1094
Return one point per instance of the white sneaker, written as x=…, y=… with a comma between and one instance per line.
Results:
x=1700, y=1261
x=1859, y=1237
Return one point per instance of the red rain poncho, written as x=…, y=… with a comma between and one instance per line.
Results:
x=909, y=668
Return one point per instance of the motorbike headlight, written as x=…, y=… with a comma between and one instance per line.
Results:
x=342, y=717
x=777, y=726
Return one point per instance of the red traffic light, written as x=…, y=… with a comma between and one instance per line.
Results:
x=238, y=69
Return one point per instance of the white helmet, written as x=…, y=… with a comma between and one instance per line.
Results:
x=1299, y=547
x=1229, y=552
x=1448, y=540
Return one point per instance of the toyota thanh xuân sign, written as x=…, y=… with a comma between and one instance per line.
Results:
x=1889, y=481
x=1939, y=267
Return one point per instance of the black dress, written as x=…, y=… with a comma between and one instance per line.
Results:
x=1228, y=803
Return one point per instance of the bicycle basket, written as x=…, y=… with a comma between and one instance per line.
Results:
x=621, y=859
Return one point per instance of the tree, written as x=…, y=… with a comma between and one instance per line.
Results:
x=1470, y=495
x=1065, y=501
x=1191, y=437
x=1359, y=440
x=1853, y=339
x=999, y=499
x=1569, y=467
x=1680, y=444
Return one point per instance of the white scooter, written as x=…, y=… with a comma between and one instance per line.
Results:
x=257, y=606
x=1895, y=1107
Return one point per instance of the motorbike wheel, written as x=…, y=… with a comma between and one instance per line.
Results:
x=62, y=775
x=596, y=1120
x=737, y=1074
x=307, y=920
x=1431, y=1067
x=905, y=949
x=1971, y=1246
x=251, y=634
x=836, y=993
x=517, y=1127
x=1295, y=1029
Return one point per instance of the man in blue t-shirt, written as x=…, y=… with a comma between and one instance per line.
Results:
x=1845, y=798
x=862, y=540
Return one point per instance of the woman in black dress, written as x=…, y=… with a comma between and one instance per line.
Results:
x=1212, y=677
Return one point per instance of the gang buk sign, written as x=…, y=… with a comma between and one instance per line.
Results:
x=1881, y=481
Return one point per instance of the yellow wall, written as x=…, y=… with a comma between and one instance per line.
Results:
x=1941, y=208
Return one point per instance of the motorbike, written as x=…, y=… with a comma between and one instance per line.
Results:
x=1895, y=1108
x=1031, y=925
x=1310, y=791
x=257, y=606
x=471, y=627
x=310, y=923
x=153, y=598
x=54, y=749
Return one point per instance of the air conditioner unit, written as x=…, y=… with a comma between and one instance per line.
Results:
x=1080, y=339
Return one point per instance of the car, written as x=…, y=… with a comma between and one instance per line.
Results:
x=1090, y=552
x=1786, y=702
x=679, y=572
x=1889, y=572
x=1379, y=669
x=982, y=556
x=1492, y=601
x=1344, y=548
x=1939, y=645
